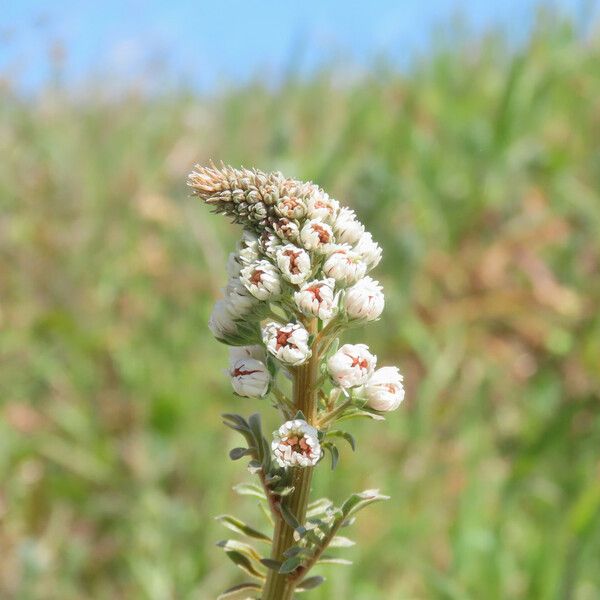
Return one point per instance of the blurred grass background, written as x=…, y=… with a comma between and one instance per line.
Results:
x=477, y=169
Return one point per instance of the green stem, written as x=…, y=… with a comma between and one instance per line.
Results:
x=279, y=586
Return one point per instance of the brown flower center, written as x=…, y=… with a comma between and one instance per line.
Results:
x=283, y=338
x=298, y=444
x=358, y=362
x=323, y=234
x=315, y=290
x=293, y=256
x=256, y=277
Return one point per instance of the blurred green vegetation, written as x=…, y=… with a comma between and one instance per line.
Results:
x=478, y=171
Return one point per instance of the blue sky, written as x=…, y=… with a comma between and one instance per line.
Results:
x=209, y=43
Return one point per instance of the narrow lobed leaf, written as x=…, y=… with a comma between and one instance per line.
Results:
x=241, y=527
x=240, y=592
x=310, y=583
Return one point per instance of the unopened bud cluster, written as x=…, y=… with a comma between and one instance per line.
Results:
x=302, y=257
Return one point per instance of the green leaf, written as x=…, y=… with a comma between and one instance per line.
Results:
x=332, y=560
x=297, y=551
x=345, y=435
x=240, y=592
x=339, y=541
x=249, y=489
x=354, y=414
x=319, y=507
x=274, y=565
x=335, y=454
x=310, y=583
x=244, y=563
x=290, y=564
x=285, y=491
x=333, y=347
x=254, y=467
x=237, y=453
x=289, y=517
x=241, y=547
x=241, y=527
x=357, y=502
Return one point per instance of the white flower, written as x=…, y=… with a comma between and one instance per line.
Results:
x=255, y=351
x=222, y=320
x=250, y=378
x=347, y=228
x=316, y=298
x=345, y=265
x=296, y=444
x=369, y=250
x=364, y=300
x=316, y=235
x=288, y=343
x=351, y=365
x=321, y=206
x=384, y=390
x=241, y=302
x=294, y=263
x=261, y=279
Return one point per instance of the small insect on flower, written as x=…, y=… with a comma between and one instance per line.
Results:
x=347, y=228
x=250, y=378
x=296, y=444
x=288, y=343
x=261, y=279
x=317, y=235
x=364, y=300
x=345, y=265
x=294, y=263
x=384, y=390
x=351, y=365
x=316, y=298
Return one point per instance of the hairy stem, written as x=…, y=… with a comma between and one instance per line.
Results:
x=279, y=586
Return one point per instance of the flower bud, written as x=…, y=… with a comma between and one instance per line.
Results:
x=261, y=279
x=291, y=207
x=294, y=263
x=250, y=378
x=288, y=343
x=222, y=319
x=369, y=250
x=351, y=365
x=347, y=228
x=316, y=298
x=345, y=265
x=296, y=444
x=364, y=300
x=241, y=301
x=316, y=235
x=384, y=390
x=287, y=230
x=255, y=351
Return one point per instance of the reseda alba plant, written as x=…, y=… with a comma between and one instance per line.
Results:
x=296, y=282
